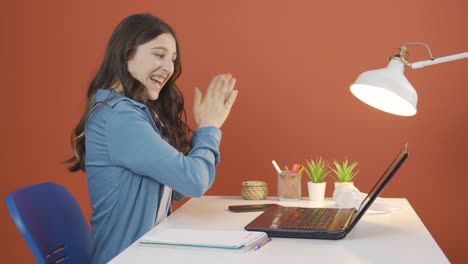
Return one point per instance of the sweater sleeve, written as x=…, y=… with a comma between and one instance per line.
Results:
x=134, y=144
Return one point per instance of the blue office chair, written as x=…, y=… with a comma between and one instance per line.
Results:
x=51, y=222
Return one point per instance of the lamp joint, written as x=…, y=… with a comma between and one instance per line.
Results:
x=401, y=56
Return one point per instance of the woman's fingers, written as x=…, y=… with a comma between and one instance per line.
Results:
x=231, y=99
x=213, y=86
x=225, y=84
x=197, y=98
x=231, y=84
x=221, y=92
x=220, y=87
x=213, y=108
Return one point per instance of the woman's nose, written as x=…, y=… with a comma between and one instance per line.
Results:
x=168, y=65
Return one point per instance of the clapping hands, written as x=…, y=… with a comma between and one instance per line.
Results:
x=214, y=108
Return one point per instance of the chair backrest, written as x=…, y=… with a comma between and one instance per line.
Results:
x=51, y=222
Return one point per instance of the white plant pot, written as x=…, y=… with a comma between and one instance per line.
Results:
x=316, y=191
x=340, y=185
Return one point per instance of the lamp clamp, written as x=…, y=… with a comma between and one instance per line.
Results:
x=402, y=52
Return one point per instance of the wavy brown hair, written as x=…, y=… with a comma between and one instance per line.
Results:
x=132, y=32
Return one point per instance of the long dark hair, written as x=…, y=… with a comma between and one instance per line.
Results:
x=132, y=32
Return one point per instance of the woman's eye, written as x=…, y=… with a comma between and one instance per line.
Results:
x=159, y=56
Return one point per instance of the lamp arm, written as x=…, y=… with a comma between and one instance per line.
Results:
x=417, y=43
x=421, y=64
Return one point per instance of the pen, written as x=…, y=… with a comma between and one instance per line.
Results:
x=261, y=244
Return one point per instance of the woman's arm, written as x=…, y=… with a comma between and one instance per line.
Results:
x=134, y=144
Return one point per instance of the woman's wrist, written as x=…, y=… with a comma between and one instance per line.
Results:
x=207, y=125
x=207, y=130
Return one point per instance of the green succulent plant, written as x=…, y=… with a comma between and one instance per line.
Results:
x=343, y=172
x=317, y=169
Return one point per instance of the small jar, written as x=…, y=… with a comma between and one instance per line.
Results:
x=254, y=190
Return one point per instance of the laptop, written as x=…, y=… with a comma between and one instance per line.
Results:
x=321, y=223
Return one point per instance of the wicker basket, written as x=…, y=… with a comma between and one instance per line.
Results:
x=254, y=190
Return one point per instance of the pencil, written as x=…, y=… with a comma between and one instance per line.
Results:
x=261, y=244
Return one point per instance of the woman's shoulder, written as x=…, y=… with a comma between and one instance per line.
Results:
x=111, y=105
x=117, y=102
x=113, y=98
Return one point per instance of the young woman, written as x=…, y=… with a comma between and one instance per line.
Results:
x=132, y=140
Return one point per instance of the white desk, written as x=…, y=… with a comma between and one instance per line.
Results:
x=397, y=237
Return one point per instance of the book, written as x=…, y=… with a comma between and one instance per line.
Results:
x=218, y=240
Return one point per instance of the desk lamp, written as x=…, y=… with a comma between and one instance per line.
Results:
x=387, y=89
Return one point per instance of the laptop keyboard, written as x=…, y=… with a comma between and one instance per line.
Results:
x=309, y=218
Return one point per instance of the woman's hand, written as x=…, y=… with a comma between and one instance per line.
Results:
x=214, y=108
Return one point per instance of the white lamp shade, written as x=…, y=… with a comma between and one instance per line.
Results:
x=387, y=89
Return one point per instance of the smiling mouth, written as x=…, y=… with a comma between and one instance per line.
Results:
x=158, y=80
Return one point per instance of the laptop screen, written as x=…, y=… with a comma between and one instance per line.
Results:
x=384, y=179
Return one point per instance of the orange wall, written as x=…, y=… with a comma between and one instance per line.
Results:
x=294, y=61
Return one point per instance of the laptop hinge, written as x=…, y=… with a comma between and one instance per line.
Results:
x=350, y=216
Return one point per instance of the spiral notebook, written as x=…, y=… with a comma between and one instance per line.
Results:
x=215, y=240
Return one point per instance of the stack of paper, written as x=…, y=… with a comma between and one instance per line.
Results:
x=235, y=241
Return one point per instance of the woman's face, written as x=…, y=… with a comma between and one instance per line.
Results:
x=153, y=64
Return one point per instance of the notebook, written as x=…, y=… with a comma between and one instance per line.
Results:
x=217, y=240
x=321, y=223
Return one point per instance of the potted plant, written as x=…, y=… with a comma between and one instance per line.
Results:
x=344, y=175
x=316, y=170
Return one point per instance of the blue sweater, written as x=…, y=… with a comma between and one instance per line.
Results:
x=128, y=164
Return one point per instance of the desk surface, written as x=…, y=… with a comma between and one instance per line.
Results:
x=397, y=237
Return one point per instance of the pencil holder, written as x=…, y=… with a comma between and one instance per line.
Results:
x=289, y=186
x=254, y=190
